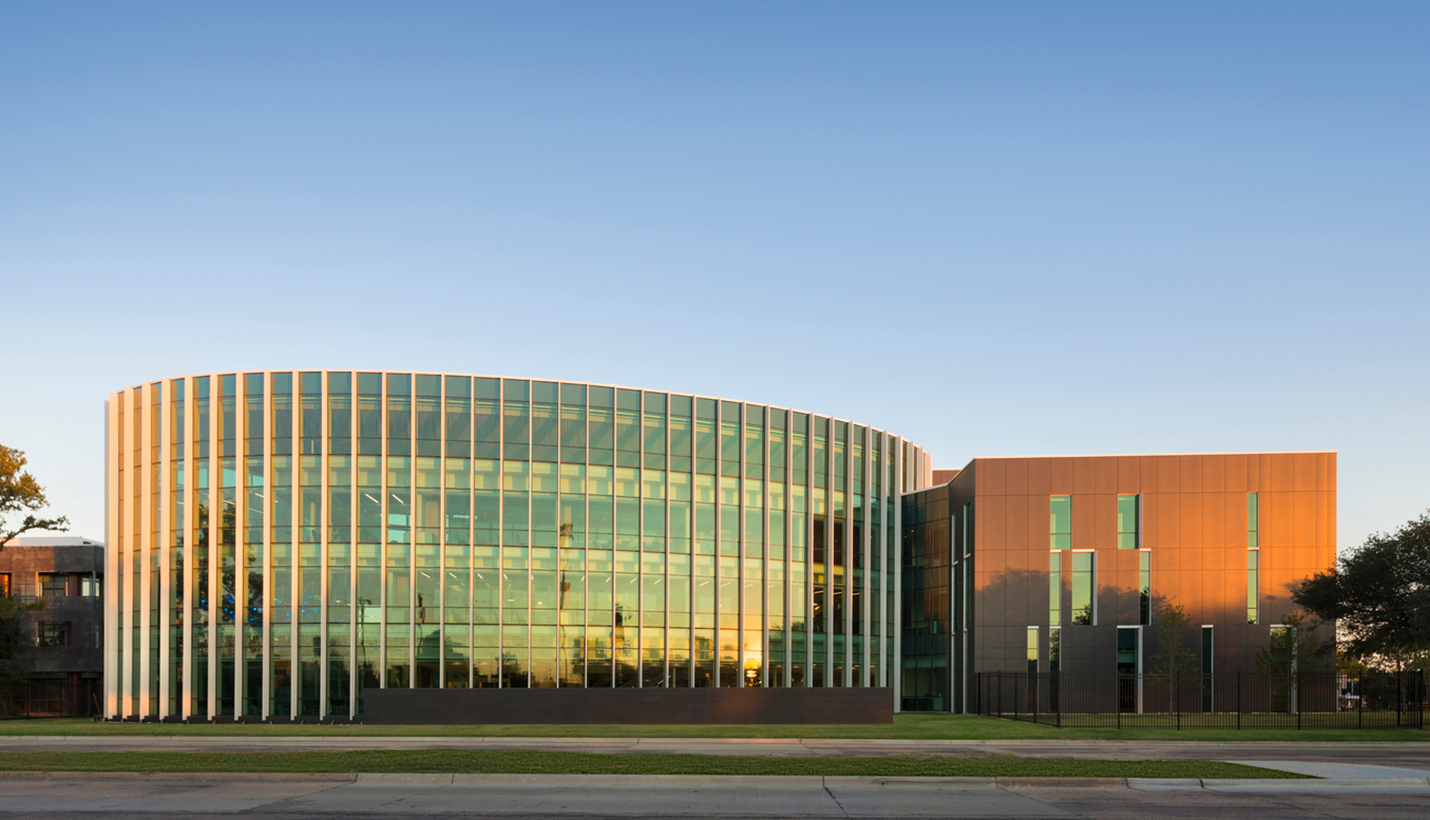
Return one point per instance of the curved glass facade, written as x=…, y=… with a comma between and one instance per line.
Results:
x=280, y=540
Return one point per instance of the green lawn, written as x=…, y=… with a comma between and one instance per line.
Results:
x=542, y=762
x=905, y=726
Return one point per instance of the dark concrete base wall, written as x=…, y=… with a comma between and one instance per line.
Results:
x=752, y=705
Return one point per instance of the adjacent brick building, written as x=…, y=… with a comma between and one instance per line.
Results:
x=64, y=667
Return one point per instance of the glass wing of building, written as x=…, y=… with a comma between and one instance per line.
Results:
x=280, y=541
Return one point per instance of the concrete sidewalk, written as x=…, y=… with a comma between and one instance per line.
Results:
x=399, y=795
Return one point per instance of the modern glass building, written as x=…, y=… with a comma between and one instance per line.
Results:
x=280, y=540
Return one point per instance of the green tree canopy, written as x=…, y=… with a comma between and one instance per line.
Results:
x=1379, y=594
x=1294, y=648
x=1173, y=656
x=20, y=491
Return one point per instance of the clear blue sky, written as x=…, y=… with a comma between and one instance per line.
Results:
x=995, y=228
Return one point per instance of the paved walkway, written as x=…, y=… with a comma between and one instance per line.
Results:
x=383, y=796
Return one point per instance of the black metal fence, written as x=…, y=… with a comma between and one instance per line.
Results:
x=1253, y=700
x=50, y=698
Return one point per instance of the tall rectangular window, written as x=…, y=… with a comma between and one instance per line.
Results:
x=1129, y=652
x=1206, y=668
x=1253, y=521
x=1084, y=586
x=1060, y=522
x=1055, y=589
x=1144, y=585
x=1129, y=530
x=1253, y=585
x=1253, y=558
x=1032, y=650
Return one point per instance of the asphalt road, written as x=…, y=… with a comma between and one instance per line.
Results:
x=409, y=796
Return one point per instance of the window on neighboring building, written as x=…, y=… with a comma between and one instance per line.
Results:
x=1084, y=586
x=52, y=633
x=1129, y=668
x=1129, y=654
x=1144, y=586
x=4, y=585
x=1253, y=558
x=1129, y=518
x=1060, y=522
x=1206, y=668
x=1055, y=589
x=52, y=584
x=1032, y=650
x=89, y=586
x=1253, y=585
x=1253, y=521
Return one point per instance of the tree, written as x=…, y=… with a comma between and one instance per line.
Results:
x=1379, y=594
x=1293, y=648
x=1172, y=656
x=20, y=491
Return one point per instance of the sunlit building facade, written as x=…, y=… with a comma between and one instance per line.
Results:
x=1062, y=564
x=280, y=540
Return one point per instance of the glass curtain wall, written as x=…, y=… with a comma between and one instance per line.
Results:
x=324, y=532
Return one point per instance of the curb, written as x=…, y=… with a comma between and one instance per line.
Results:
x=1262, y=786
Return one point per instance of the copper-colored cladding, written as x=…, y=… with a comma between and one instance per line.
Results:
x=941, y=477
x=1194, y=522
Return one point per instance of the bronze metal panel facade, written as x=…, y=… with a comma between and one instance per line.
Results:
x=1193, y=539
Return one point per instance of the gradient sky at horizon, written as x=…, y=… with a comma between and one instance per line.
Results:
x=994, y=228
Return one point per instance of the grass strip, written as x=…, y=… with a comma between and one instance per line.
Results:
x=542, y=762
x=906, y=726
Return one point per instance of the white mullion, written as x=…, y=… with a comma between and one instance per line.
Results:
x=126, y=560
x=323, y=502
x=295, y=542
x=866, y=582
x=354, y=673
x=669, y=630
x=215, y=567
x=788, y=528
x=165, y=545
x=501, y=525
x=442, y=521
x=897, y=494
x=113, y=446
x=165, y=541
x=765, y=553
x=186, y=705
x=382, y=531
x=240, y=544
x=586, y=502
x=146, y=545
x=266, y=693
x=741, y=606
x=412, y=530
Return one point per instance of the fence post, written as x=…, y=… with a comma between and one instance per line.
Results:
x=1054, y=681
x=1360, y=698
x=1238, y=700
x=1296, y=697
x=1117, y=692
x=1177, y=697
x=1000, y=693
x=1015, y=697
